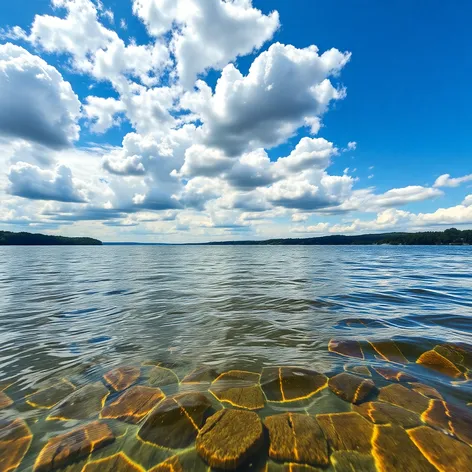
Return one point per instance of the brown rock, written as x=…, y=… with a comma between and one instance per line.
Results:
x=426, y=390
x=386, y=413
x=5, y=400
x=347, y=431
x=15, y=440
x=81, y=404
x=70, y=447
x=294, y=467
x=116, y=463
x=134, y=404
x=460, y=355
x=175, y=422
x=230, y=438
x=393, y=451
x=404, y=397
x=392, y=374
x=239, y=388
x=351, y=388
x=172, y=464
x=162, y=376
x=122, y=377
x=389, y=351
x=346, y=348
x=48, y=397
x=350, y=461
x=202, y=374
x=434, y=360
x=290, y=384
x=296, y=437
x=444, y=452
x=358, y=369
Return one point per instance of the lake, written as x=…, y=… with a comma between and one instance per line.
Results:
x=71, y=315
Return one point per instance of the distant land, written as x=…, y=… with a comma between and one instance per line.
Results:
x=7, y=238
x=448, y=237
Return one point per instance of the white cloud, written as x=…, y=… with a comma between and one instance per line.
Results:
x=318, y=228
x=351, y=145
x=102, y=112
x=210, y=33
x=283, y=88
x=446, y=180
x=31, y=182
x=36, y=103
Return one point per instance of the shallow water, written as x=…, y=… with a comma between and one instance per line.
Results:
x=77, y=312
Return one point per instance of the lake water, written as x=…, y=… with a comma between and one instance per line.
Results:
x=75, y=313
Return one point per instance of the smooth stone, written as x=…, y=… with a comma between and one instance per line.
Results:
x=48, y=397
x=296, y=437
x=134, y=404
x=175, y=422
x=187, y=460
x=386, y=413
x=392, y=374
x=347, y=348
x=202, y=374
x=426, y=390
x=290, y=384
x=122, y=377
x=162, y=376
x=401, y=396
x=351, y=388
x=119, y=462
x=349, y=461
x=444, y=452
x=389, y=351
x=358, y=369
x=5, y=401
x=172, y=464
x=393, y=451
x=347, y=431
x=81, y=404
x=435, y=361
x=457, y=354
x=15, y=440
x=230, y=438
x=72, y=446
x=294, y=467
x=240, y=389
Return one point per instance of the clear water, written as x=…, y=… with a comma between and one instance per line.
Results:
x=77, y=312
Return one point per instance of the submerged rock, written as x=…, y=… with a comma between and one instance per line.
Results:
x=230, y=438
x=351, y=388
x=134, y=404
x=444, y=452
x=239, y=388
x=122, y=377
x=290, y=384
x=81, y=404
x=15, y=440
x=172, y=464
x=349, y=461
x=392, y=374
x=5, y=400
x=389, y=351
x=48, y=397
x=175, y=422
x=386, y=413
x=434, y=360
x=346, y=348
x=296, y=437
x=72, y=446
x=426, y=390
x=202, y=374
x=162, y=376
x=404, y=397
x=119, y=462
x=347, y=431
x=358, y=369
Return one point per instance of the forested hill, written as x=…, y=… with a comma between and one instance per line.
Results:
x=7, y=238
x=450, y=236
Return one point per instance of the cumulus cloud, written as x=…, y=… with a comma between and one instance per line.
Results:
x=210, y=33
x=102, y=112
x=36, y=103
x=29, y=181
x=446, y=180
x=283, y=88
x=318, y=228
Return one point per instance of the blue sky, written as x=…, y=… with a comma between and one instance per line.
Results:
x=175, y=160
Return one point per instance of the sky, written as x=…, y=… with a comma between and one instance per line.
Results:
x=210, y=120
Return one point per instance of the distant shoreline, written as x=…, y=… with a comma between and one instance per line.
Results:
x=449, y=237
